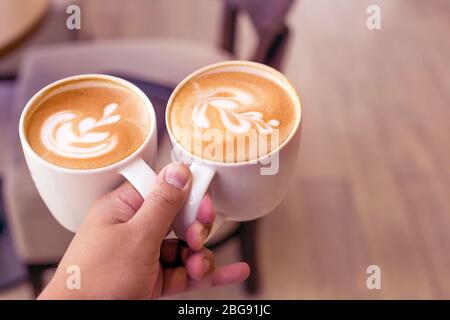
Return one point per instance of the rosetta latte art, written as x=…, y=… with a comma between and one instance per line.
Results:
x=226, y=104
x=60, y=136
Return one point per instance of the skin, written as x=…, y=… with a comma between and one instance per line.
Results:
x=122, y=252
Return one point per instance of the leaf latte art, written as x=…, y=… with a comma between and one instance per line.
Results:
x=231, y=116
x=87, y=124
x=226, y=101
x=61, y=135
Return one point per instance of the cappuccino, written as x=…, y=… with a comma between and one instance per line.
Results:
x=87, y=124
x=231, y=115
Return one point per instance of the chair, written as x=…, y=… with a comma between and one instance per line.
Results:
x=34, y=229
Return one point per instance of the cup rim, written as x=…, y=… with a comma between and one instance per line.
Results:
x=294, y=95
x=92, y=76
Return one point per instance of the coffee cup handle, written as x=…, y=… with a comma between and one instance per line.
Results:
x=142, y=177
x=201, y=179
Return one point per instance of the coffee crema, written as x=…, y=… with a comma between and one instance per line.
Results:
x=231, y=116
x=87, y=124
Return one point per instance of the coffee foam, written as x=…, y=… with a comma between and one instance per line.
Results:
x=87, y=124
x=239, y=105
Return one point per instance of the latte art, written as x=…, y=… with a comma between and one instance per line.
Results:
x=227, y=101
x=88, y=124
x=231, y=116
x=62, y=136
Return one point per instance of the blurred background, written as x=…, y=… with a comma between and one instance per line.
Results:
x=373, y=180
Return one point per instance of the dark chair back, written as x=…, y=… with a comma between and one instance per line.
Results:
x=269, y=20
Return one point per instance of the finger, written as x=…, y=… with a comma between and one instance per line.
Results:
x=200, y=263
x=229, y=274
x=206, y=213
x=196, y=235
x=199, y=230
x=221, y=276
x=165, y=199
x=175, y=253
x=119, y=205
x=177, y=280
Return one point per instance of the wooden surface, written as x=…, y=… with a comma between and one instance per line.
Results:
x=18, y=18
x=373, y=181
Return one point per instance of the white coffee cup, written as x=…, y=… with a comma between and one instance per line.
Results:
x=68, y=193
x=240, y=191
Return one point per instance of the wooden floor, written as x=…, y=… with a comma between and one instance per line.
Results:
x=373, y=181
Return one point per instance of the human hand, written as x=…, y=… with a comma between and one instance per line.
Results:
x=122, y=254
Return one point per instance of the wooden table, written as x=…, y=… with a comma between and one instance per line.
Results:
x=18, y=19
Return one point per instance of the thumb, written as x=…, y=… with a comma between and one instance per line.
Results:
x=167, y=196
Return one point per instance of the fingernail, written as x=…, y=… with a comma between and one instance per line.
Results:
x=177, y=175
x=204, y=234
